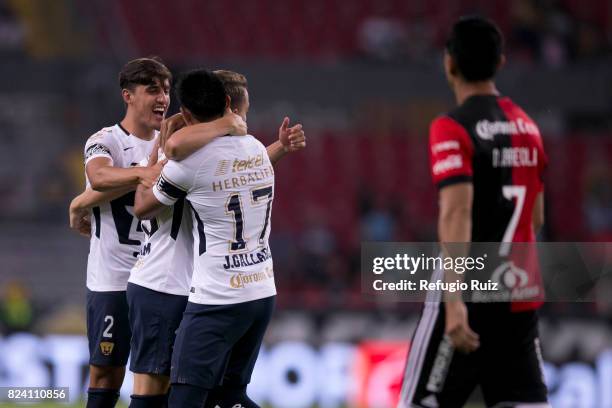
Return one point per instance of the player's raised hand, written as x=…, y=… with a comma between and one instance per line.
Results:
x=235, y=124
x=297, y=139
x=292, y=138
x=169, y=126
x=458, y=329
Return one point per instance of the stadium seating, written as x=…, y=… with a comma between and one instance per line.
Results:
x=320, y=29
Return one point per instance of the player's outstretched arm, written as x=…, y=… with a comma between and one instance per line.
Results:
x=92, y=198
x=455, y=226
x=290, y=139
x=103, y=176
x=182, y=143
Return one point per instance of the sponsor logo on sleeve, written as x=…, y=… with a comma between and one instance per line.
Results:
x=452, y=162
x=444, y=146
x=97, y=149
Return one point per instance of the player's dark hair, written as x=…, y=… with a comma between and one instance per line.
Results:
x=202, y=93
x=143, y=71
x=235, y=86
x=476, y=44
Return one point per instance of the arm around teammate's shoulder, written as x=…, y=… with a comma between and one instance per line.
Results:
x=102, y=151
x=171, y=185
x=91, y=198
x=186, y=141
x=103, y=176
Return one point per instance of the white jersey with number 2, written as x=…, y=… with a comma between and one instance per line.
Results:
x=116, y=234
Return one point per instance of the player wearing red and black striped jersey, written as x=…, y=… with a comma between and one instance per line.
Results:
x=493, y=144
x=487, y=161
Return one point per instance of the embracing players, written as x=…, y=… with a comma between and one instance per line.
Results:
x=160, y=280
x=111, y=165
x=487, y=161
x=229, y=184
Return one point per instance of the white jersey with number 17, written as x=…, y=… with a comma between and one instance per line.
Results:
x=230, y=186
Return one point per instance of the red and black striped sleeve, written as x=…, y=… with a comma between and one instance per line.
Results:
x=450, y=152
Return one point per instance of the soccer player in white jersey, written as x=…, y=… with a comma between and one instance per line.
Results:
x=111, y=157
x=159, y=282
x=230, y=185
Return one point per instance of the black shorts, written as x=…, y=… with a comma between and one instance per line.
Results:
x=108, y=329
x=507, y=365
x=154, y=320
x=219, y=344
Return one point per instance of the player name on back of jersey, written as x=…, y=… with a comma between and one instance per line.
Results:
x=253, y=170
x=247, y=259
x=515, y=157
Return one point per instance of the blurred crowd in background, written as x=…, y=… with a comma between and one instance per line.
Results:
x=547, y=32
x=365, y=79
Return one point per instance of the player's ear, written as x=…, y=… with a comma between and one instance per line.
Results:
x=228, y=101
x=450, y=66
x=126, y=95
x=502, y=62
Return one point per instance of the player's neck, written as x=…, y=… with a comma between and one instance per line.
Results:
x=190, y=120
x=463, y=90
x=136, y=128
